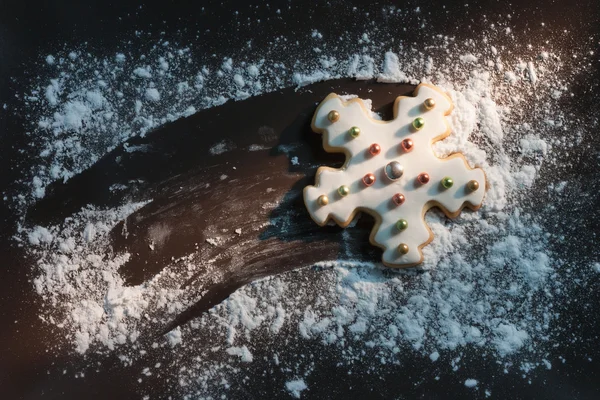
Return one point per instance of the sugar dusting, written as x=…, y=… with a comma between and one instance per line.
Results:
x=488, y=284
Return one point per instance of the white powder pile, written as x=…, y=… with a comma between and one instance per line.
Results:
x=296, y=387
x=489, y=281
x=471, y=383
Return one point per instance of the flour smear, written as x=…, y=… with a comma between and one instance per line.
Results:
x=490, y=281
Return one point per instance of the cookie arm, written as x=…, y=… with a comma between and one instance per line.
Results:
x=328, y=182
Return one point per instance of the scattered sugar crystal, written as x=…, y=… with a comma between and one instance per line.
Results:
x=471, y=383
x=242, y=352
x=174, y=337
x=152, y=94
x=468, y=58
x=296, y=387
x=142, y=72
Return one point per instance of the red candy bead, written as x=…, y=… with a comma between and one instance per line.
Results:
x=398, y=199
x=369, y=179
x=374, y=149
x=407, y=145
x=423, y=178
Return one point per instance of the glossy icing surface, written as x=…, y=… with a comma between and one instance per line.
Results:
x=377, y=198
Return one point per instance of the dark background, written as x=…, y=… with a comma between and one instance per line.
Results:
x=29, y=30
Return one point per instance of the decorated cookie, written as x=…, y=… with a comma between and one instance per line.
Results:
x=391, y=171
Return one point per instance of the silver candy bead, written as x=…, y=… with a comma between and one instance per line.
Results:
x=394, y=170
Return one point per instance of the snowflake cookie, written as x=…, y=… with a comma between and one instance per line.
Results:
x=391, y=171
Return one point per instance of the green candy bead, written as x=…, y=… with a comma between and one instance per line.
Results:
x=418, y=123
x=402, y=224
x=447, y=182
x=343, y=190
x=354, y=131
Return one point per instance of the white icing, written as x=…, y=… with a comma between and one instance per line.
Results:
x=377, y=199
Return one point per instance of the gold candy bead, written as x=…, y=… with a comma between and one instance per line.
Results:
x=473, y=185
x=333, y=116
x=429, y=103
x=323, y=200
x=403, y=248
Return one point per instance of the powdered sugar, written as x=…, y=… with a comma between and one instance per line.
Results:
x=152, y=94
x=242, y=352
x=489, y=280
x=296, y=387
x=471, y=383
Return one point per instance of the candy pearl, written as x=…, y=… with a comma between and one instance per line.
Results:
x=423, y=178
x=473, y=185
x=447, y=182
x=429, y=103
x=402, y=224
x=323, y=200
x=354, y=131
x=418, y=123
x=333, y=116
x=398, y=199
x=407, y=145
x=403, y=248
x=369, y=179
x=343, y=190
x=393, y=170
x=374, y=149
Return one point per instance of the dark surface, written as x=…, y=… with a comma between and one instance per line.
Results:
x=177, y=166
x=27, y=28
